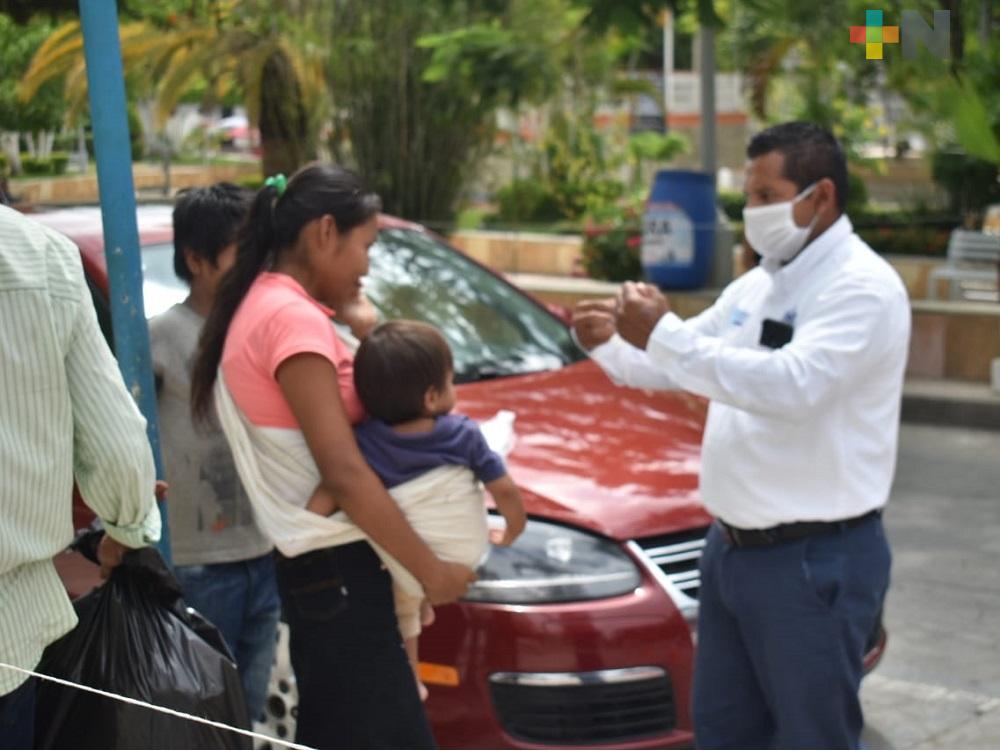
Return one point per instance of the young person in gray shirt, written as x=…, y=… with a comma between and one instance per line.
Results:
x=222, y=560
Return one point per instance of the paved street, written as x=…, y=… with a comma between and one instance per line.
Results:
x=939, y=684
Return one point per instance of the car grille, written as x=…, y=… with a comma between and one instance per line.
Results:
x=676, y=556
x=589, y=713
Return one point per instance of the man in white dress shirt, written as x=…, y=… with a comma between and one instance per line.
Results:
x=803, y=360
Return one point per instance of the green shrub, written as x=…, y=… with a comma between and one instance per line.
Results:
x=575, y=163
x=577, y=198
x=613, y=254
x=732, y=202
x=60, y=160
x=35, y=166
x=857, y=194
x=137, y=143
x=3, y=164
x=527, y=201
x=613, y=239
x=916, y=231
x=906, y=239
x=65, y=141
x=972, y=184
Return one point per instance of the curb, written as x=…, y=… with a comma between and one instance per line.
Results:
x=959, y=414
x=948, y=403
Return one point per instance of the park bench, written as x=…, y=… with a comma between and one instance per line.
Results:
x=971, y=268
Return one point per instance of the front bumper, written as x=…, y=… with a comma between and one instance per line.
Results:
x=605, y=673
x=602, y=706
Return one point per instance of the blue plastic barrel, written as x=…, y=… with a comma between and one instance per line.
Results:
x=678, y=229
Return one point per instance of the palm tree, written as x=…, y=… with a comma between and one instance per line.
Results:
x=239, y=46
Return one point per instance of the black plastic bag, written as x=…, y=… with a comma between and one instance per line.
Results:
x=136, y=638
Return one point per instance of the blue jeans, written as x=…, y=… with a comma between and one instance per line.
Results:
x=781, y=636
x=17, y=717
x=241, y=600
x=356, y=688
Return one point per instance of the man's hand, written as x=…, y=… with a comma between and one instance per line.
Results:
x=594, y=322
x=109, y=554
x=448, y=583
x=640, y=308
x=110, y=551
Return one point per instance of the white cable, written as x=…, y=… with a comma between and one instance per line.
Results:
x=165, y=710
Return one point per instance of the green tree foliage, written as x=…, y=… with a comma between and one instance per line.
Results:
x=22, y=11
x=955, y=104
x=586, y=165
x=219, y=46
x=965, y=91
x=804, y=49
x=632, y=16
x=416, y=88
x=17, y=45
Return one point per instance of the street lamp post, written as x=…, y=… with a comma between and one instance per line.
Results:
x=667, y=20
x=106, y=88
x=706, y=70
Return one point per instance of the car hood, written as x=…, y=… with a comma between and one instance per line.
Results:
x=618, y=461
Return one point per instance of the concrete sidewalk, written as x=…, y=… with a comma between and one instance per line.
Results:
x=938, y=686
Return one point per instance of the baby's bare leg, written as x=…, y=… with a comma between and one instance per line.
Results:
x=411, y=653
x=426, y=614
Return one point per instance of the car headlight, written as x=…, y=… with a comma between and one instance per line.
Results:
x=550, y=563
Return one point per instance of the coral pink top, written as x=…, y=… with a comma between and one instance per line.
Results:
x=276, y=320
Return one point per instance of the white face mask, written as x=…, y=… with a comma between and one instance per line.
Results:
x=772, y=230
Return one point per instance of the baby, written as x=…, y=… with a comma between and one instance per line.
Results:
x=403, y=372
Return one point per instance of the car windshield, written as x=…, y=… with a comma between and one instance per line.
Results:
x=160, y=286
x=492, y=328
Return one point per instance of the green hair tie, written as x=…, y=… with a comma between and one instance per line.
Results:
x=279, y=182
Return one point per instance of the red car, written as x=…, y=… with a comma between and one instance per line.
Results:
x=582, y=633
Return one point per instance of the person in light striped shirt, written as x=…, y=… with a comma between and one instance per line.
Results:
x=64, y=413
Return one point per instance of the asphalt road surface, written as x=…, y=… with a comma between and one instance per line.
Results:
x=938, y=685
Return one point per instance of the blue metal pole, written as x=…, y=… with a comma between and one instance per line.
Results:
x=106, y=82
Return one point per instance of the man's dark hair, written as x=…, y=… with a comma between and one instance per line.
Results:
x=206, y=220
x=394, y=367
x=811, y=153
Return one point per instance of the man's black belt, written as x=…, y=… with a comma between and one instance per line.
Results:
x=758, y=538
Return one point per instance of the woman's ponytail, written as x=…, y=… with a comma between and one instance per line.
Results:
x=254, y=253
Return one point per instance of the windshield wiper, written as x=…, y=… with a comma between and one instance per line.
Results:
x=511, y=365
x=482, y=372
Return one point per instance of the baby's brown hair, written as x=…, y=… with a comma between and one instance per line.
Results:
x=396, y=364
